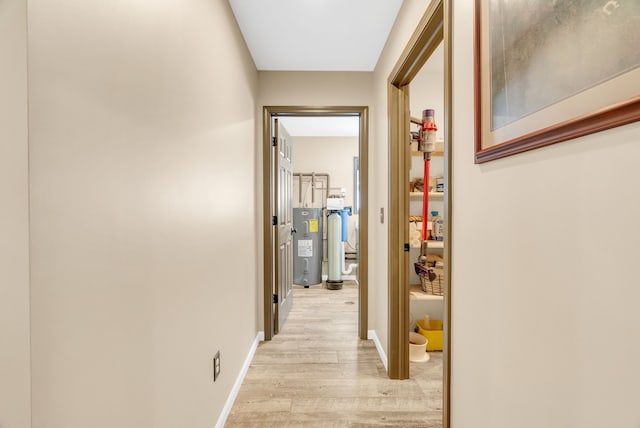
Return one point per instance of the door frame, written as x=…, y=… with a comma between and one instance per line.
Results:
x=434, y=27
x=363, y=231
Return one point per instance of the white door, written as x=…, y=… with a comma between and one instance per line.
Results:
x=283, y=216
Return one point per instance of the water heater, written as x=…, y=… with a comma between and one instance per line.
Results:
x=307, y=246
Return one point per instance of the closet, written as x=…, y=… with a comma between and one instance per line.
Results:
x=427, y=92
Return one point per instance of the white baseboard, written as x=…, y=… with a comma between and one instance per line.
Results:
x=238, y=383
x=371, y=335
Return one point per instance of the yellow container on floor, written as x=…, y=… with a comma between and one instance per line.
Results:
x=433, y=333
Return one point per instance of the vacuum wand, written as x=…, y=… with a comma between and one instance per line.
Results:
x=425, y=198
x=426, y=145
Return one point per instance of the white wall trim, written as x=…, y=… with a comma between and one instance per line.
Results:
x=222, y=419
x=371, y=335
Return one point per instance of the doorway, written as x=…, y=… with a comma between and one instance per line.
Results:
x=434, y=28
x=272, y=317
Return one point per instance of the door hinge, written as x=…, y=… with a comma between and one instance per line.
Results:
x=275, y=298
x=407, y=248
x=274, y=220
x=274, y=141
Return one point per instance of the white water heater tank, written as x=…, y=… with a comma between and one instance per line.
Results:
x=334, y=251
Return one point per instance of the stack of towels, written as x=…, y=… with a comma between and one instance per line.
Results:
x=415, y=233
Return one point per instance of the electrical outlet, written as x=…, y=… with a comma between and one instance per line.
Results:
x=216, y=366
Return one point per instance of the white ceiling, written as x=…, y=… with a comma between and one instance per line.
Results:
x=314, y=126
x=315, y=35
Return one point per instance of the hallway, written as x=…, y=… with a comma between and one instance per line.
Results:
x=317, y=372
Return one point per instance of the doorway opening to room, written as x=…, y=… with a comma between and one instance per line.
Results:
x=315, y=209
x=420, y=83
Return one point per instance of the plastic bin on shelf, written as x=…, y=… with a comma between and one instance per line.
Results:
x=433, y=333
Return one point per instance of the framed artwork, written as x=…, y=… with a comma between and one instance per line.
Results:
x=550, y=71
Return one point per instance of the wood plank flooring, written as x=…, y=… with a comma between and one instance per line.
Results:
x=317, y=373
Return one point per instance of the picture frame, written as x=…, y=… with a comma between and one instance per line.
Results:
x=553, y=71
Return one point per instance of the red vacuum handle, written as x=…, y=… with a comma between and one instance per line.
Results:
x=425, y=200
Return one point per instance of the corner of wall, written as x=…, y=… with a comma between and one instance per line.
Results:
x=15, y=323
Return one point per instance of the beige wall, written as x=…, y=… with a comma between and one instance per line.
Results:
x=331, y=155
x=15, y=406
x=314, y=88
x=545, y=281
x=141, y=131
x=319, y=89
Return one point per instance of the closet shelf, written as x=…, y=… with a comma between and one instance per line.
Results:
x=432, y=195
x=433, y=244
x=416, y=293
x=432, y=154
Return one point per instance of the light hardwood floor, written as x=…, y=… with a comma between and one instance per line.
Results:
x=317, y=373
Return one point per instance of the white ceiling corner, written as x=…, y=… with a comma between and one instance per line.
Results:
x=315, y=35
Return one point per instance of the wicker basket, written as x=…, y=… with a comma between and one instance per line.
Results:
x=431, y=279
